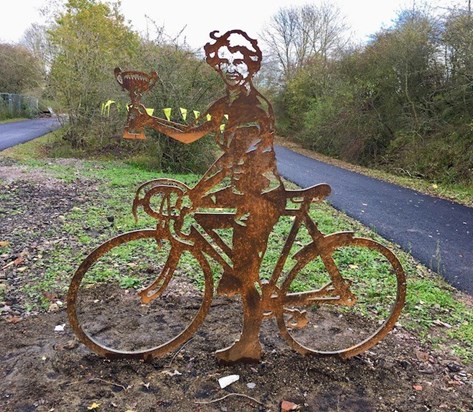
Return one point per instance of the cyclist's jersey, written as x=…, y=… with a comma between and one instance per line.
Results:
x=248, y=143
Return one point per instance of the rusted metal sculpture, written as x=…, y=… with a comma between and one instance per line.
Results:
x=243, y=192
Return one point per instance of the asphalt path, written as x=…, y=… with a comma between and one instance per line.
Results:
x=19, y=132
x=437, y=232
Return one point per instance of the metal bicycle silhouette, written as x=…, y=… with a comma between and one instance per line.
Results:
x=222, y=224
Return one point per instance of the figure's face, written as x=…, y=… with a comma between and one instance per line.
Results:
x=232, y=66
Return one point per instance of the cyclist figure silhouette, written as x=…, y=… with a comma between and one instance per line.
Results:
x=244, y=178
x=245, y=183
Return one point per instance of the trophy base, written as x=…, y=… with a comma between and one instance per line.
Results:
x=133, y=136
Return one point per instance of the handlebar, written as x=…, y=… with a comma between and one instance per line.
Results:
x=162, y=199
x=314, y=193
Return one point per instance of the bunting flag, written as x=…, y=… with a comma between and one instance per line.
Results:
x=105, y=108
x=167, y=113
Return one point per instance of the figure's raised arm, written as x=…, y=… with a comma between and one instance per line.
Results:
x=138, y=118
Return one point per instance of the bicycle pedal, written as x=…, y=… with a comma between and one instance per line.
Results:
x=298, y=319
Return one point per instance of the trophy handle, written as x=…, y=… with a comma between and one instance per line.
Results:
x=118, y=75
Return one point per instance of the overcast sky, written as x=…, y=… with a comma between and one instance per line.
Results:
x=199, y=17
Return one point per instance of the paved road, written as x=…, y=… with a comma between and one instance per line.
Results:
x=436, y=232
x=20, y=132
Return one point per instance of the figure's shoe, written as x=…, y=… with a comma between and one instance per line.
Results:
x=240, y=352
x=229, y=285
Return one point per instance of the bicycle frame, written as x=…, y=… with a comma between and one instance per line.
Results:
x=334, y=292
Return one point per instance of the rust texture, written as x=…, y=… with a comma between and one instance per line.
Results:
x=248, y=195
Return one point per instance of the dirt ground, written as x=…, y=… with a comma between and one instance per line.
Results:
x=43, y=369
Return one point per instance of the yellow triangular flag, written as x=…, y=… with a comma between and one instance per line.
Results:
x=107, y=106
x=167, y=113
x=196, y=114
x=209, y=117
x=222, y=127
x=150, y=111
x=226, y=116
x=183, y=112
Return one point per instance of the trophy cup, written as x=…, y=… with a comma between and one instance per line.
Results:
x=136, y=83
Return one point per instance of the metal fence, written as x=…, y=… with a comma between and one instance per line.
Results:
x=12, y=105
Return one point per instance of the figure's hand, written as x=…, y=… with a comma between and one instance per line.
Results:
x=136, y=120
x=137, y=117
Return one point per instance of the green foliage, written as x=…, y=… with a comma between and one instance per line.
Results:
x=185, y=81
x=20, y=71
x=403, y=102
x=90, y=39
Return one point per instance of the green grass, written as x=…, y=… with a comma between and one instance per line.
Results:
x=16, y=119
x=431, y=303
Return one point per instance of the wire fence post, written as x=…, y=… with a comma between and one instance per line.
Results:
x=17, y=105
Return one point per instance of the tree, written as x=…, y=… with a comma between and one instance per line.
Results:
x=20, y=71
x=36, y=40
x=295, y=35
x=458, y=41
x=90, y=39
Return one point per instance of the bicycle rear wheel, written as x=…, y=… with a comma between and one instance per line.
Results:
x=316, y=322
x=112, y=318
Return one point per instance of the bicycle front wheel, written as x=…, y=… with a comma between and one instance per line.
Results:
x=137, y=296
x=314, y=320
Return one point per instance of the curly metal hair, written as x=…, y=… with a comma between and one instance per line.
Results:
x=252, y=56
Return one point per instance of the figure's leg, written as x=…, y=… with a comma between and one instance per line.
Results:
x=249, y=245
x=248, y=347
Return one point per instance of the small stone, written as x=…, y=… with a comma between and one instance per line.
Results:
x=70, y=344
x=53, y=307
x=228, y=380
x=454, y=367
x=59, y=328
x=251, y=385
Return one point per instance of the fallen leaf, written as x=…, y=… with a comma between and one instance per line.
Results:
x=422, y=356
x=18, y=261
x=93, y=406
x=417, y=387
x=287, y=406
x=13, y=319
x=438, y=322
x=169, y=373
x=4, y=243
